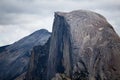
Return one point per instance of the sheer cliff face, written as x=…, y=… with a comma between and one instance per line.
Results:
x=38, y=62
x=84, y=46
x=14, y=58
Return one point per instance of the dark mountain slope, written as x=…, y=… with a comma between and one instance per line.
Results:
x=14, y=60
x=38, y=62
x=3, y=48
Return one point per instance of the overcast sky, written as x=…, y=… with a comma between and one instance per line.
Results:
x=18, y=18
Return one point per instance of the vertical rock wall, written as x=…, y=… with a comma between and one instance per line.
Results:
x=38, y=63
x=84, y=46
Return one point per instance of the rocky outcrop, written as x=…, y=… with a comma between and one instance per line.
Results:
x=3, y=48
x=60, y=77
x=14, y=58
x=21, y=77
x=38, y=62
x=84, y=46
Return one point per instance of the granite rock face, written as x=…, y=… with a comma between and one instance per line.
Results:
x=84, y=46
x=38, y=62
x=3, y=48
x=14, y=58
x=21, y=77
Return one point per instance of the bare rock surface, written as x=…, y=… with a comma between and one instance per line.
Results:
x=37, y=69
x=84, y=46
x=14, y=58
x=21, y=77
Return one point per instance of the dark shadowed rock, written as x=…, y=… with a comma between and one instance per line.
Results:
x=3, y=48
x=15, y=57
x=84, y=46
x=38, y=63
x=21, y=77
